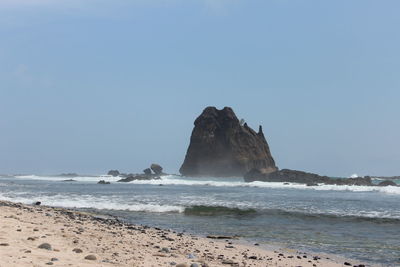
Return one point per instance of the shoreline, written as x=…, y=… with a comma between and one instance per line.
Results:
x=107, y=241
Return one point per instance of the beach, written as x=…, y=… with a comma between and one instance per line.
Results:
x=39, y=236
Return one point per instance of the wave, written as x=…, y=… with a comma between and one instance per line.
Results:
x=235, y=182
x=203, y=210
x=90, y=202
x=223, y=182
x=107, y=178
x=197, y=208
x=372, y=216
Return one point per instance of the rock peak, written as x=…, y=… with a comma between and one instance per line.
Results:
x=220, y=146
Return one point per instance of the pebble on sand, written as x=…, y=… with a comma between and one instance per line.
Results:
x=77, y=250
x=45, y=246
x=91, y=257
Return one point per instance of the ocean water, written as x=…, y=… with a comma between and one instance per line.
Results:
x=352, y=221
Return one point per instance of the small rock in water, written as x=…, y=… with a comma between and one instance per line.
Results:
x=91, y=257
x=54, y=259
x=45, y=246
x=37, y=203
x=49, y=263
x=77, y=250
x=4, y=244
x=347, y=263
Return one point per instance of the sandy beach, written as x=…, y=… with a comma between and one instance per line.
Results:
x=42, y=236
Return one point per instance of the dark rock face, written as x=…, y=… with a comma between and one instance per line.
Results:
x=285, y=175
x=114, y=173
x=133, y=177
x=103, y=182
x=147, y=171
x=220, y=146
x=310, y=179
x=157, y=169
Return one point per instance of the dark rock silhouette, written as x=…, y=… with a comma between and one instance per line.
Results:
x=103, y=182
x=147, y=171
x=307, y=178
x=135, y=177
x=220, y=146
x=114, y=173
x=157, y=169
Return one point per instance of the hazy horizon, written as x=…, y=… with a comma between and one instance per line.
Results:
x=91, y=86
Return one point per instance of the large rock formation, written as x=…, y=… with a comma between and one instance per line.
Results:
x=220, y=146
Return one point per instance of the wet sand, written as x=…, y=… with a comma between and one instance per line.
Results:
x=43, y=236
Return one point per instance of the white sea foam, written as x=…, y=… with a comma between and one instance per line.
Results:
x=87, y=201
x=107, y=178
x=224, y=182
x=176, y=180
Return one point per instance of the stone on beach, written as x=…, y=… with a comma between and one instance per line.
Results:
x=46, y=246
x=77, y=250
x=91, y=257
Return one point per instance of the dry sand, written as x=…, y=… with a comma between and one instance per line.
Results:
x=74, y=235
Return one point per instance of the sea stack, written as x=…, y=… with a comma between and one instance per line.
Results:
x=221, y=146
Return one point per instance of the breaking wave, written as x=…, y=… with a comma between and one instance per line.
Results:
x=90, y=202
x=221, y=182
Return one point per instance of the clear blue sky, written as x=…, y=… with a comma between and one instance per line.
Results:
x=90, y=85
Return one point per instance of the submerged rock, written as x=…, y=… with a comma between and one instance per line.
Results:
x=103, y=182
x=221, y=146
x=387, y=183
x=69, y=180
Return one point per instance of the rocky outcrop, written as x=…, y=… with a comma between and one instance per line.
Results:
x=285, y=175
x=147, y=174
x=136, y=177
x=311, y=179
x=157, y=169
x=114, y=173
x=147, y=171
x=221, y=146
x=103, y=182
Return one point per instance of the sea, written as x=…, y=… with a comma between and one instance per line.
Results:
x=356, y=222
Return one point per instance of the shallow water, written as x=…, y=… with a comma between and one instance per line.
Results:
x=352, y=221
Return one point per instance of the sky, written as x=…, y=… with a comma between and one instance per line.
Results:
x=92, y=85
